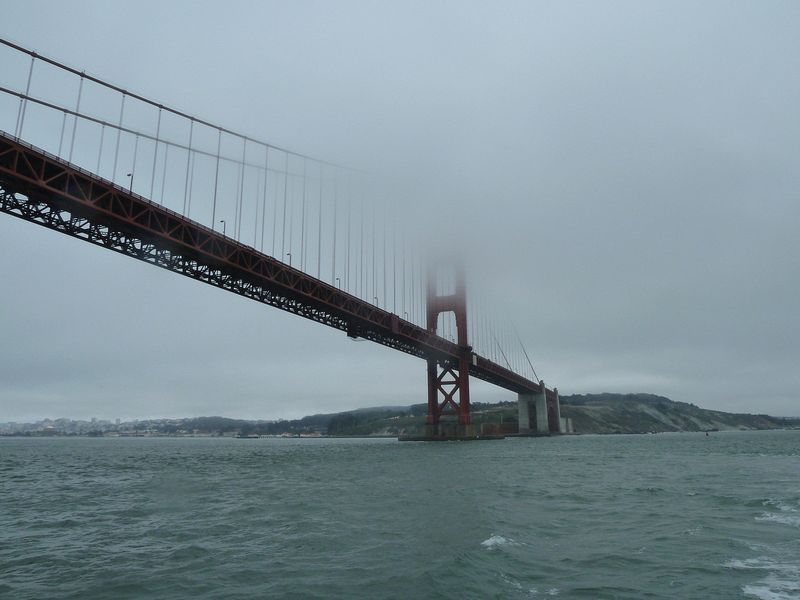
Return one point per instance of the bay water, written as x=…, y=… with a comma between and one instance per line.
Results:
x=628, y=517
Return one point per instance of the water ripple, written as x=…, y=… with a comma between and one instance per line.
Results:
x=624, y=517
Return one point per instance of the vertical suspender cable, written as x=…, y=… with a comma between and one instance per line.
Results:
x=347, y=264
x=495, y=332
x=257, y=198
x=319, y=226
x=100, y=151
x=23, y=102
x=415, y=313
x=335, y=216
x=188, y=160
x=285, y=190
x=475, y=325
x=481, y=329
x=291, y=225
x=472, y=322
x=500, y=341
x=63, y=127
x=385, y=299
x=511, y=350
x=191, y=185
x=216, y=180
x=237, y=201
x=451, y=316
x=361, y=286
x=164, y=173
x=255, y=219
x=257, y=207
x=303, y=221
x=423, y=293
x=264, y=203
x=75, y=123
x=486, y=345
x=135, y=155
x=403, y=304
x=518, y=357
x=486, y=335
x=240, y=192
x=394, y=266
x=275, y=220
x=155, y=155
x=423, y=306
x=119, y=135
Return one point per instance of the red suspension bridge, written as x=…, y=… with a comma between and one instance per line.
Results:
x=94, y=161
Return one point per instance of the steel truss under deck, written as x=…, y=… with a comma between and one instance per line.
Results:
x=43, y=189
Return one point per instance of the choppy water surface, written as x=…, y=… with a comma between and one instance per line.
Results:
x=658, y=516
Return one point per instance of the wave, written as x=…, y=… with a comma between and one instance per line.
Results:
x=772, y=588
x=496, y=541
x=553, y=591
x=782, y=582
x=782, y=505
x=782, y=518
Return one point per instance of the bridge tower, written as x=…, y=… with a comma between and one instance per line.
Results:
x=448, y=378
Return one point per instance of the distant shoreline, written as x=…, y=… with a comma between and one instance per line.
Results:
x=606, y=413
x=360, y=437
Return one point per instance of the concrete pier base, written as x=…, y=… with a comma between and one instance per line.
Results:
x=561, y=426
x=448, y=431
x=524, y=412
x=451, y=432
x=541, y=412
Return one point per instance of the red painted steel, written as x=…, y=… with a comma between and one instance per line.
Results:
x=44, y=189
x=454, y=376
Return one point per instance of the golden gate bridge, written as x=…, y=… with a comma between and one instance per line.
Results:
x=90, y=159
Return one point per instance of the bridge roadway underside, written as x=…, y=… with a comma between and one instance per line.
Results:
x=43, y=189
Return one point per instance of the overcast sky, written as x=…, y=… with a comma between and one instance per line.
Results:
x=625, y=176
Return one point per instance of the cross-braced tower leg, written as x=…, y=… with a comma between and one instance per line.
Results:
x=448, y=380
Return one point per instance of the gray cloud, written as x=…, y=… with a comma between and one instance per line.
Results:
x=623, y=176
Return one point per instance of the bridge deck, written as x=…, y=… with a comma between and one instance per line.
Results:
x=44, y=189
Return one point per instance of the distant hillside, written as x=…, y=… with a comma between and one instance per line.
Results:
x=641, y=413
x=590, y=413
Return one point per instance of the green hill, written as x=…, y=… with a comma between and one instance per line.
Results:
x=590, y=413
x=641, y=413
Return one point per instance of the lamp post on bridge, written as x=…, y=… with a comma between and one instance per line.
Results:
x=338, y=283
x=289, y=254
x=130, y=188
x=223, y=226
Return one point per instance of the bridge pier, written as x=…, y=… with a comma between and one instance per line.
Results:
x=448, y=379
x=557, y=407
x=524, y=412
x=542, y=421
x=547, y=413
